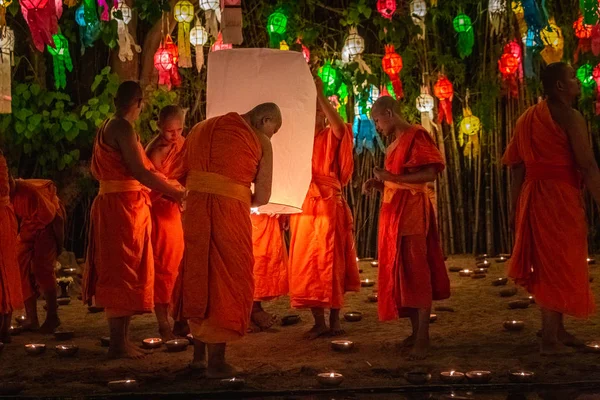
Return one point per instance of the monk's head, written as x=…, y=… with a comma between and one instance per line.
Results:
x=129, y=99
x=560, y=82
x=170, y=123
x=386, y=115
x=265, y=118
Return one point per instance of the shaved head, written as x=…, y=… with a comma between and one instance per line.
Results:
x=385, y=103
x=386, y=115
x=560, y=80
x=265, y=118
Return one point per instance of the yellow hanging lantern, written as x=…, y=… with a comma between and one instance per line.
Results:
x=470, y=127
x=517, y=8
x=184, y=15
x=554, y=41
x=283, y=45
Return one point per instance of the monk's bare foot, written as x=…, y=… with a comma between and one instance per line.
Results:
x=316, y=331
x=253, y=328
x=419, y=350
x=408, y=342
x=222, y=371
x=555, y=349
x=30, y=326
x=167, y=335
x=569, y=340
x=198, y=365
x=335, y=328
x=130, y=352
x=50, y=325
x=263, y=319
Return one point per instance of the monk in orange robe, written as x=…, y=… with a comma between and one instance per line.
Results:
x=222, y=157
x=412, y=272
x=270, y=266
x=167, y=233
x=120, y=262
x=549, y=155
x=41, y=239
x=11, y=297
x=322, y=252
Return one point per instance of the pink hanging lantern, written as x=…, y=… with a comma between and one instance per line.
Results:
x=386, y=8
x=42, y=20
x=165, y=61
x=514, y=48
x=219, y=45
x=305, y=51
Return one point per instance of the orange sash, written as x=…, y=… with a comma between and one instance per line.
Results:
x=209, y=182
x=120, y=186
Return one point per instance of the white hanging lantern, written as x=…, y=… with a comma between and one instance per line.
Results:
x=418, y=12
x=7, y=46
x=354, y=46
x=198, y=38
x=212, y=12
x=496, y=12
x=126, y=41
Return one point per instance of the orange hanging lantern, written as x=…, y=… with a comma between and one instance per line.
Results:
x=584, y=33
x=165, y=61
x=508, y=65
x=386, y=8
x=444, y=91
x=392, y=65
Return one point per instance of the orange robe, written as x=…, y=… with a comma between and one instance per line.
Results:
x=120, y=262
x=550, y=250
x=167, y=232
x=322, y=252
x=270, y=258
x=412, y=272
x=37, y=206
x=11, y=297
x=214, y=289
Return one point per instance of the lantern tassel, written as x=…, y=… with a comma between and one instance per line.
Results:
x=362, y=66
x=466, y=40
x=184, y=46
x=199, y=58
x=212, y=25
x=42, y=23
x=5, y=83
x=445, y=111
x=397, y=85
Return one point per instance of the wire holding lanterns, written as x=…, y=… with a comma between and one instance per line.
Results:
x=198, y=38
x=418, y=12
x=392, y=65
x=354, y=46
x=444, y=91
x=61, y=60
x=466, y=38
x=212, y=15
x=7, y=47
x=127, y=45
x=183, y=12
x=386, y=8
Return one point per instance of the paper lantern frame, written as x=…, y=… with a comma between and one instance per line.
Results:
x=126, y=13
x=582, y=30
x=198, y=36
x=418, y=8
x=425, y=102
x=354, y=44
x=585, y=76
x=183, y=12
x=386, y=8
x=508, y=64
x=470, y=125
x=331, y=78
x=392, y=62
x=277, y=22
x=462, y=23
x=209, y=5
x=497, y=6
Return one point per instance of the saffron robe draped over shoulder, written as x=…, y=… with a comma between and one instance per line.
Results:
x=412, y=272
x=167, y=231
x=549, y=257
x=11, y=297
x=322, y=252
x=214, y=289
x=119, y=263
x=270, y=258
x=37, y=206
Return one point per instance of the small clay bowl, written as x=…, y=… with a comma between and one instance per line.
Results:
x=64, y=335
x=353, y=316
x=452, y=377
x=372, y=298
x=501, y=259
x=455, y=268
x=15, y=330
x=35, y=349
x=508, y=292
x=592, y=347
x=375, y=264
x=68, y=271
x=432, y=318
x=20, y=320
x=479, y=271
x=290, y=320
x=483, y=264
x=519, y=376
x=66, y=350
x=342, y=345
x=177, y=345
x=500, y=282
x=95, y=309
x=190, y=338
x=505, y=255
x=481, y=257
x=479, y=376
x=591, y=261
x=152, y=343
x=63, y=301
x=330, y=379
x=367, y=283
x=11, y=388
x=519, y=304
x=233, y=383
x=514, y=326
x=465, y=272
x=478, y=276
x=417, y=378
x=531, y=299
x=125, y=385
x=105, y=341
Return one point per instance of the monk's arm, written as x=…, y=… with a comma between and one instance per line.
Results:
x=127, y=142
x=584, y=155
x=264, y=177
x=516, y=182
x=425, y=174
x=338, y=127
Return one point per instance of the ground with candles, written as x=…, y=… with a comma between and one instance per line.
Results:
x=471, y=337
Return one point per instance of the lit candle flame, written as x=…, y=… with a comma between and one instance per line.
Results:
x=332, y=375
x=451, y=373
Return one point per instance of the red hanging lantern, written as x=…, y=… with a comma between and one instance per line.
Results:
x=42, y=20
x=508, y=65
x=386, y=8
x=165, y=61
x=584, y=33
x=392, y=65
x=444, y=91
x=305, y=51
x=219, y=45
x=514, y=48
x=596, y=76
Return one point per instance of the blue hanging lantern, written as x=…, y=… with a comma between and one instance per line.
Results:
x=89, y=29
x=365, y=134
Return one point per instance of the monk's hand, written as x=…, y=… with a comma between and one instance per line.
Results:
x=382, y=174
x=370, y=185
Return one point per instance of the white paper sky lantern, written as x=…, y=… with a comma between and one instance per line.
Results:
x=239, y=80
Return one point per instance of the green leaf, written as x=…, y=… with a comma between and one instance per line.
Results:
x=82, y=125
x=35, y=89
x=367, y=12
x=20, y=127
x=75, y=154
x=21, y=88
x=104, y=108
x=35, y=119
x=93, y=101
x=66, y=125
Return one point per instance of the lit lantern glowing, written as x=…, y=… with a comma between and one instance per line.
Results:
x=589, y=11
x=425, y=104
x=332, y=80
x=554, y=43
x=198, y=38
x=88, y=30
x=184, y=15
x=365, y=134
x=418, y=12
x=470, y=126
x=305, y=51
x=7, y=47
x=508, y=65
x=466, y=37
x=219, y=45
x=277, y=27
x=61, y=59
x=127, y=44
x=584, y=34
x=392, y=66
x=386, y=8
x=212, y=12
x=165, y=61
x=104, y=15
x=444, y=91
x=42, y=20
x=283, y=46
x=496, y=13
x=354, y=46
x=585, y=76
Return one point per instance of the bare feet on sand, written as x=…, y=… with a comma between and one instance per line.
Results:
x=569, y=340
x=166, y=335
x=263, y=319
x=316, y=331
x=408, y=342
x=221, y=371
x=127, y=351
x=555, y=349
x=335, y=328
x=50, y=325
x=419, y=350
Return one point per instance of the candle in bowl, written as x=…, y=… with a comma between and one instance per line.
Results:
x=69, y=271
x=481, y=257
x=501, y=259
x=519, y=376
x=367, y=283
x=465, y=272
x=331, y=379
x=432, y=318
x=233, y=383
x=500, y=282
x=479, y=376
x=591, y=261
x=592, y=347
x=479, y=271
x=125, y=385
x=176, y=345
x=519, y=304
x=342, y=345
x=64, y=335
x=63, y=301
x=375, y=264
x=105, y=341
x=454, y=268
x=514, y=326
x=483, y=264
x=452, y=376
x=152, y=343
x=20, y=320
x=66, y=350
x=531, y=299
x=353, y=316
x=34, y=349
x=372, y=298
x=417, y=378
x=15, y=330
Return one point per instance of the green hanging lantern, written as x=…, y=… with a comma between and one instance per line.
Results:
x=589, y=10
x=343, y=101
x=585, y=76
x=277, y=27
x=466, y=37
x=390, y=88
x=61, y=59
x=332, y=79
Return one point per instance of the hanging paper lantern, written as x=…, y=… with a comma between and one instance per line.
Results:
x=496, y=13
x=212, y=12
x=425, y=103
x=554, y=43
x=444, y=91
x=3, y=5
x=165, y=61
x=595, y=40
x=332, y=80
x=392, y=65
x=7, y=47
x=508, y=65
x=61, y=59
x=596, y=77
x=386, y=8
x=418, y=11
x=466, y=38
x=88, y=31
x=219, y=45
x=535, y=19
x=184, y=15
x=198, y=38
x=532, y=42
x=513, y=47
x=283, y=46
x=340, y=101
x=305, y=51
x=277, y=27
x=365, y=133
x=354, y=46
x=585, y=76
x=104, y=15
x=584, y=33
x=127, y=44
x=232, y=22
x=470, y=127
x=589, y=10
x=41, y=18
x=71, y=3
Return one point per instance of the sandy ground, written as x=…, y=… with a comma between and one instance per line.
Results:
x=471, y=337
